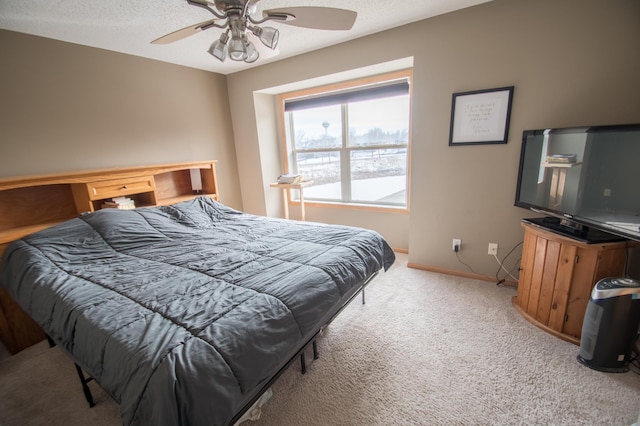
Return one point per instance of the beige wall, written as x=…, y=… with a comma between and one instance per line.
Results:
x=572, y=62
x=67, y=107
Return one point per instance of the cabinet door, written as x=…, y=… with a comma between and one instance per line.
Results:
x=548, y=282
x=586, y=262
x=549, y=269
x=562, y=287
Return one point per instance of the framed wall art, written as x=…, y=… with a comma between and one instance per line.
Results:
x=480, y=116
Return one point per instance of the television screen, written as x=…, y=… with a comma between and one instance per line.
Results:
x=584, y=178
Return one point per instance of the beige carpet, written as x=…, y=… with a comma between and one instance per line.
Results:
x=426, y=349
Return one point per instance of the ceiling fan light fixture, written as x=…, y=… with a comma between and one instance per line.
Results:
x=237, y=49
x=218, y=48
x=268, y=35
x=252, y=52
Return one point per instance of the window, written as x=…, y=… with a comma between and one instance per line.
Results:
x=352, y=142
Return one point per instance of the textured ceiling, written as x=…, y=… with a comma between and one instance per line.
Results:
x=128, y=26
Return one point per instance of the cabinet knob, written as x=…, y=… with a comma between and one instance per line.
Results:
x=124, y=186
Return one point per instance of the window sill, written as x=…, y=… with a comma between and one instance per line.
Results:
x=352, y=206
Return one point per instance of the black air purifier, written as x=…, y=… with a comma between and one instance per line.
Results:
x=610, y=325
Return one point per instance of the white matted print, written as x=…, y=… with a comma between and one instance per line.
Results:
x=481, y=116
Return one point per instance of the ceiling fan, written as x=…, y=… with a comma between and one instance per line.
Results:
x=235, y=17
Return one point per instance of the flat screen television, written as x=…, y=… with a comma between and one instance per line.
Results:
x=586, y=180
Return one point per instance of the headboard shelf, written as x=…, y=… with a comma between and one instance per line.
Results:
x=38, y=205
x=16, y=233
x=31, y=203
x=178, y=199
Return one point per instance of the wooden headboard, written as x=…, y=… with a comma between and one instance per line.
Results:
x=29, y=204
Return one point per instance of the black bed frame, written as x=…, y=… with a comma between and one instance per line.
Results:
x=84, y=380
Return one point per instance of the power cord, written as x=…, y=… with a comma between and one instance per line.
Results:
x=504, y=269
x=499, y=281
x=501, y=266
x=456, y=249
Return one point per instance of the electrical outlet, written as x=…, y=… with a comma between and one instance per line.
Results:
x=493, y=249
x=456, y=243
x=607, y=192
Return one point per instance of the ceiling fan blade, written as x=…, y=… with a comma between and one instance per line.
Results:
x=320, y=18
x=184, y=32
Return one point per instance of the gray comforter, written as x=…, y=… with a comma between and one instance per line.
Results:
x=183, y=313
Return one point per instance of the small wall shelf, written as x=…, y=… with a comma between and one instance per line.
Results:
x=285, y=194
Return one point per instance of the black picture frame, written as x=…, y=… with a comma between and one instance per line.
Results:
x=481, y=116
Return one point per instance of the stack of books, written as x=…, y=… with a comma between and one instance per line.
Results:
x=562, y=158
x=124, y=203
x=290, y=178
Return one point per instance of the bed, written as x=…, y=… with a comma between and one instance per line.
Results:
x=185, y=314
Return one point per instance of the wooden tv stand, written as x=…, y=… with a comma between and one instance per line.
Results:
x=30, y=204
x=557, y=276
